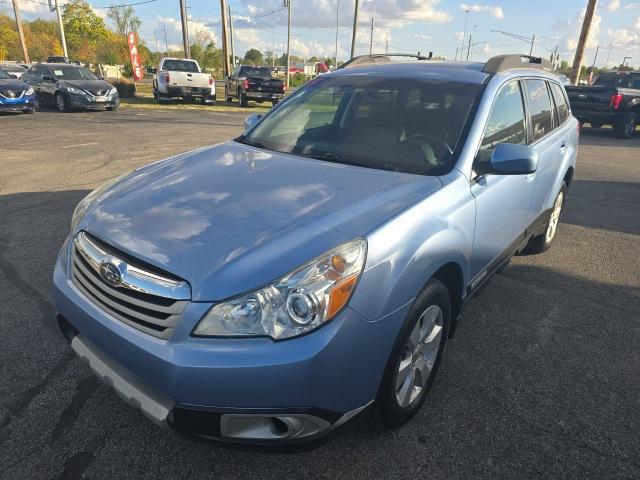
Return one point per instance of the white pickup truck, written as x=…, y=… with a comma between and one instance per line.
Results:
x=182, y=78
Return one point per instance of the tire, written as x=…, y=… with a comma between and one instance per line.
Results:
x=242, y=98
x=61, y=103
x=543, y=242
x=398, y=400
x=111, y=109
x=626, y=127
x=596, y=124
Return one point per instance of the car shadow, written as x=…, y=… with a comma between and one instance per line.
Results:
x=604, y=137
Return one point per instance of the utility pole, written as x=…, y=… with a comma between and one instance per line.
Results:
x=225, y=38
x=533, y=39
x=469, y=47
x=553, y=57
x=23, y=44
x=594, y=63
x=456, y=57
x=582, y=42
x=289, y=2
x=335, y=62
x=166, y=43
x=185, y=29
x=386, y=46
x=606, y=64
x=371, y=38
x=155, y=37
x=355, y=28
x=63, y=39
x=233, y=58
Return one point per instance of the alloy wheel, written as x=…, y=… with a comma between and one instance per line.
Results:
x=420, y=353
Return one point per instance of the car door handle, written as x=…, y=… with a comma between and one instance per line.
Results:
x=563, y=147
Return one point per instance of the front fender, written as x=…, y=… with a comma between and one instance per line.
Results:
x=404, y=253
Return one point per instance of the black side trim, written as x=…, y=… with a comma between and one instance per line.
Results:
x=537, y=227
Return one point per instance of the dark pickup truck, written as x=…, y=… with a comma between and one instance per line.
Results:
x=254, y=83
x=613, y=99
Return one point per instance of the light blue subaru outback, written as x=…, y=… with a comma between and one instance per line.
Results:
x=270, y=288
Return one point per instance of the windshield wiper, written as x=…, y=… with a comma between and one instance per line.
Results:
x=339, y=158
x=251, y=144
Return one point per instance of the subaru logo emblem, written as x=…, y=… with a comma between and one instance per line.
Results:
x=110, y=273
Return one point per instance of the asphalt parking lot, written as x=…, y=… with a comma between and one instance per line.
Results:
x=541, y=381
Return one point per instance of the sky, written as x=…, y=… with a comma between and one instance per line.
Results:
x=399, y=26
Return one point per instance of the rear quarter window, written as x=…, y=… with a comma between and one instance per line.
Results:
x=540, y=110
x=561, y=102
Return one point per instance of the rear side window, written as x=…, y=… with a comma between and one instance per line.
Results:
x=506, y=122
x=539, y=108
x=560, y=101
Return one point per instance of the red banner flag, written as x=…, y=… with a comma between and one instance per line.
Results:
x=136, y=67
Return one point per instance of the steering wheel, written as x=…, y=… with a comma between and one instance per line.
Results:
x=429, y=139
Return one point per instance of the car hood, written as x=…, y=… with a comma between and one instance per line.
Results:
x=87, y=84
x=13, y=84
x=231, y=218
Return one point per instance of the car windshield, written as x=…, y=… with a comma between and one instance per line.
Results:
x=73, y=73
x=400, y=124
x=180, y=66
x=262, y=72
x=4, y=75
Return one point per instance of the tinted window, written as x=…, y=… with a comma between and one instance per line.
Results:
x=180, y=66
x=4, y=75
x=262, y=72
x=539, y=108
x=400, y=124
x=560, y=101
x=611, y=80
x=506, y=122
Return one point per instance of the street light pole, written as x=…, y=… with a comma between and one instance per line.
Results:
x=63, y=39
x=464, y=34
x=289, y=2
x=355, y=28
x=335, y=62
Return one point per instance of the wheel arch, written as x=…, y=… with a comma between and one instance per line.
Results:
x=452, y=276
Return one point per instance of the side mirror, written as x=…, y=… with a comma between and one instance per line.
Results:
x=14, y=76
x=512, y=159
x=251, y=120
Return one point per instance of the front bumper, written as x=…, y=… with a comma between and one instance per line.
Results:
x=93, y=103
x=18, y=104
x=234, y=389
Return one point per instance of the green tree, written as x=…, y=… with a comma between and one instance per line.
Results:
x=125, y=19
x=253, y=56
x=313, y=59
x=84, y=30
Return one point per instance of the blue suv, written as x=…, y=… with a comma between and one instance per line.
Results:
x=269, y=288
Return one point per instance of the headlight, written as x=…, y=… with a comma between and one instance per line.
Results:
x=77, y=91
x=299, y=302
x=86, y=202
x=113, y=91
x=29, y=91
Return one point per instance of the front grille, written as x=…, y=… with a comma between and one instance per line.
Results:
x=98, y=92
x=11, y=93
x=143, y=298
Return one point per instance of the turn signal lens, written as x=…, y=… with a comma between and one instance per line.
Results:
x=340, y=294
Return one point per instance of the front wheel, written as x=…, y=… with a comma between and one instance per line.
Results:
x=415, y=358
x=626, y=127
x=542, y=242
x=61, y=103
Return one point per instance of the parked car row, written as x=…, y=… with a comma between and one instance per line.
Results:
x=64, y=86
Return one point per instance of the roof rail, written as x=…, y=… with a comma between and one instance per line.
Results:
x=500, y=63
x=378, y=58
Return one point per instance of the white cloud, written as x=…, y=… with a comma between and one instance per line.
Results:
x=570, y=32
x=421, y=36
x=623, y=38
x=458, y=36
x=495, y=11
x=613, y=5
x=632, y=6
x=195, y=28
